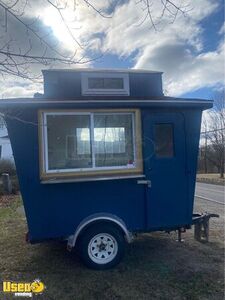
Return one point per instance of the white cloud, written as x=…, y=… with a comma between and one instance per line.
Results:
x=176, y=49
x=19, y=88
x=184, y=71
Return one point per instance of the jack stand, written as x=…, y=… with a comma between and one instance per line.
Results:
x=179, y=238
x=202, y=231
x=201, y=223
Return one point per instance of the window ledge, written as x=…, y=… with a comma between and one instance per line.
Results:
x=67, y=180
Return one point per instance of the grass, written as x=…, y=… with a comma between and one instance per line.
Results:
x=155, y=265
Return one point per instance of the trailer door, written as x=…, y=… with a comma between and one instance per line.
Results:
x=165, y=167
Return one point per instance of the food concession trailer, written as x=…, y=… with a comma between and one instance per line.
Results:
x=103, y=154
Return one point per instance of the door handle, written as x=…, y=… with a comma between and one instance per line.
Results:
x=147, y=182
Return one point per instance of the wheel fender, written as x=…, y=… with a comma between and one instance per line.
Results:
x=98, y=217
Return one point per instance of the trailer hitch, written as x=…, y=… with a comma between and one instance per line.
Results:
x=201, y=226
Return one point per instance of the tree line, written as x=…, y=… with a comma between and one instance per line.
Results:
x=212, y=149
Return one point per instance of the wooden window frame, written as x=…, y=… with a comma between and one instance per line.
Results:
x=98, y=172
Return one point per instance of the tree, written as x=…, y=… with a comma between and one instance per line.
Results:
x=214, y=134
x=36, y=45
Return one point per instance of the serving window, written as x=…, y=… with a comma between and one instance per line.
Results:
x=89, y=143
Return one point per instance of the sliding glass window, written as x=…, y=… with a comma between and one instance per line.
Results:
x=89, y=141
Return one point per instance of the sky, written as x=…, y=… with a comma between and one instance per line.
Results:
x=118, y=34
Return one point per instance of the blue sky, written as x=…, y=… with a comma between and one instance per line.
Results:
x=189, y=52
x=211, y=38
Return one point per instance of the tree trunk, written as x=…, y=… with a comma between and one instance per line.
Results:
x=205, y=157
x=222, y=169
x=222, y=161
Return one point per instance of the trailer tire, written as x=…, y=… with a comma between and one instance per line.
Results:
x=101, y=246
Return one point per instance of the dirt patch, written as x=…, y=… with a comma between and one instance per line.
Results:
x=7, y=200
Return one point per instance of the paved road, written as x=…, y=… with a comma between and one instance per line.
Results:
x=210, y=192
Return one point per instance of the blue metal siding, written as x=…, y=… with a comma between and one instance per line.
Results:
x=68, y=84
x=193, y=128
x=167, y=197
x=54, y=210
x=145, y=85
x=62, y=85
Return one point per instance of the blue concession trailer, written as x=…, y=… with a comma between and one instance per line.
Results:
x=104, y=154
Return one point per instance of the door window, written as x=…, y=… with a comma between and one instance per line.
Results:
x=164, y=140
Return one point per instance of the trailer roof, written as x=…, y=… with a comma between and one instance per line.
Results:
x=111, y=101
x=91, y=70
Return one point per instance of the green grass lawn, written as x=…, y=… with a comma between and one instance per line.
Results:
x=155, y=265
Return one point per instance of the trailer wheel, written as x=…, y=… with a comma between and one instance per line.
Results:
x=101, y=246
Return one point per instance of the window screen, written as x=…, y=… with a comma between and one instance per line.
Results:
x=164, y=141
x=90, y=141
x=83, y=141
x=105, y=83
x=68, y=142
x=113, y=140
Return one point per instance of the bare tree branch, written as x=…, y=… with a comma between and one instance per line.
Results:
x=59, y=10
x=98, y=11
x=17, y=59
x=30, y=29
x=214, y=134
x=167, y=6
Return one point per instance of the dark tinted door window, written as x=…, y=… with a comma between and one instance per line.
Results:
x=164, y=141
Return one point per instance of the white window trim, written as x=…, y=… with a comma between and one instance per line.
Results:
x=87, y=91
x=94, y=168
